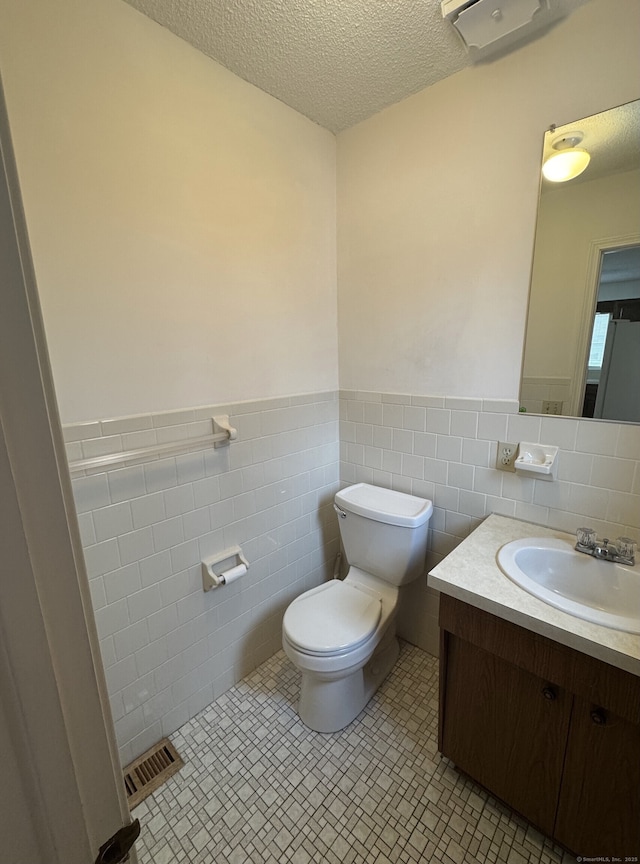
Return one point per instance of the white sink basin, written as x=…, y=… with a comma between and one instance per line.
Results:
x=594, y=590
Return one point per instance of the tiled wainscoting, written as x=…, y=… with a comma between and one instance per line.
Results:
x=169, y=649
x=535, y=391
x=445, y=450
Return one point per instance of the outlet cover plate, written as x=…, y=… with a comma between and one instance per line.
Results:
x=550, y=406
x=506, y=456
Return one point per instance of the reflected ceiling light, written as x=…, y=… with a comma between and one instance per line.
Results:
x=568, y=160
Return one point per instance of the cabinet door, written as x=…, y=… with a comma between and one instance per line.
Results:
x=506, y=728
x=599, y=810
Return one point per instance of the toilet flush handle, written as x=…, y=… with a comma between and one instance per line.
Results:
x=341, y=513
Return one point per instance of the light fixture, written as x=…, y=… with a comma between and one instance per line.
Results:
x=568, y=160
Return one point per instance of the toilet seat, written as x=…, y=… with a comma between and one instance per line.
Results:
x=332, y=618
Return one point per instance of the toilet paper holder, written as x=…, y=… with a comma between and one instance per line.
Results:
x=214, y=578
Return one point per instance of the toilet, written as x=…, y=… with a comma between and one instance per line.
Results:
x=341, y=635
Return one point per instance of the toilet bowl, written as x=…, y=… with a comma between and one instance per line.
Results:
x=341, y=635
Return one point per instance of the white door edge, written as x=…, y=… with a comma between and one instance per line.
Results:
x=55, y=710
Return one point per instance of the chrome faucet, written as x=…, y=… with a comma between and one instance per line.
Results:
x=620, y=552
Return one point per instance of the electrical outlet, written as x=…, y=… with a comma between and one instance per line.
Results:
x=506, y=456
x=549, y=406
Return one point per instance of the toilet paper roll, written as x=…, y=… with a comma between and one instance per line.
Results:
x=233, y=574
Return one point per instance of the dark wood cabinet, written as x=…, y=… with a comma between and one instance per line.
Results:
x=553, y=733
x=490, y=713
x=602, y=777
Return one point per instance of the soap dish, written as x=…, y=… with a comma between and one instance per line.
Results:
x=537, y=460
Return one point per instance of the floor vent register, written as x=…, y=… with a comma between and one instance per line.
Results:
x=149, y=771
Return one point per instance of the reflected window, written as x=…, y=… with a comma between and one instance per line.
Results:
x=598, y=340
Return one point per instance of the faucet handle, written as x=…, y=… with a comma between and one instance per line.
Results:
x=626, y=547
x=586, y=538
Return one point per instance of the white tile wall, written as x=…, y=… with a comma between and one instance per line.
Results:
x=445, y=450
x=169, y=649
x=537, y=390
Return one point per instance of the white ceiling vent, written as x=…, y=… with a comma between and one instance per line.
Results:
x=489, y=26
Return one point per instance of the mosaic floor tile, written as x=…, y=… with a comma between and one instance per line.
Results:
x=258, y=786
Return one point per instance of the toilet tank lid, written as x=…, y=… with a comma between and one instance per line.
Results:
x=385, y=505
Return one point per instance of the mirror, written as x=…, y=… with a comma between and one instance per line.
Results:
x=582, y=344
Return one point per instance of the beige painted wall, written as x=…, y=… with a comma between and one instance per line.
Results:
x=437, y=206
x=570, y=220
x=182, y=221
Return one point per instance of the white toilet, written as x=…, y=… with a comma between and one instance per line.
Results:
x=341, y=635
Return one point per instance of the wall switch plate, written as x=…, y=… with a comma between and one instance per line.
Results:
x=549, y=406
x=506, y=456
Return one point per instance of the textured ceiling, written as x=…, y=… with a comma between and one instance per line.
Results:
x=335, y=61
x=611, y=138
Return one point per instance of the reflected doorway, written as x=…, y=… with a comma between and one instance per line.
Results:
x=613, y=367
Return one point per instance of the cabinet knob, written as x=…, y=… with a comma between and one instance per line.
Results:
x=549, y=693
x=598, y=717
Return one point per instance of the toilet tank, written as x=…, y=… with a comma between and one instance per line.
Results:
x=384, y=532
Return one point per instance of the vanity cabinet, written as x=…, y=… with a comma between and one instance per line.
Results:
x=553, y=733
x=598, y=805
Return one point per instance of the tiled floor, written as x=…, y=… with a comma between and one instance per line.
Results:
x=258, y=786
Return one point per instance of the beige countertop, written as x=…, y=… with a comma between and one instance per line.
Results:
x=471, y=573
